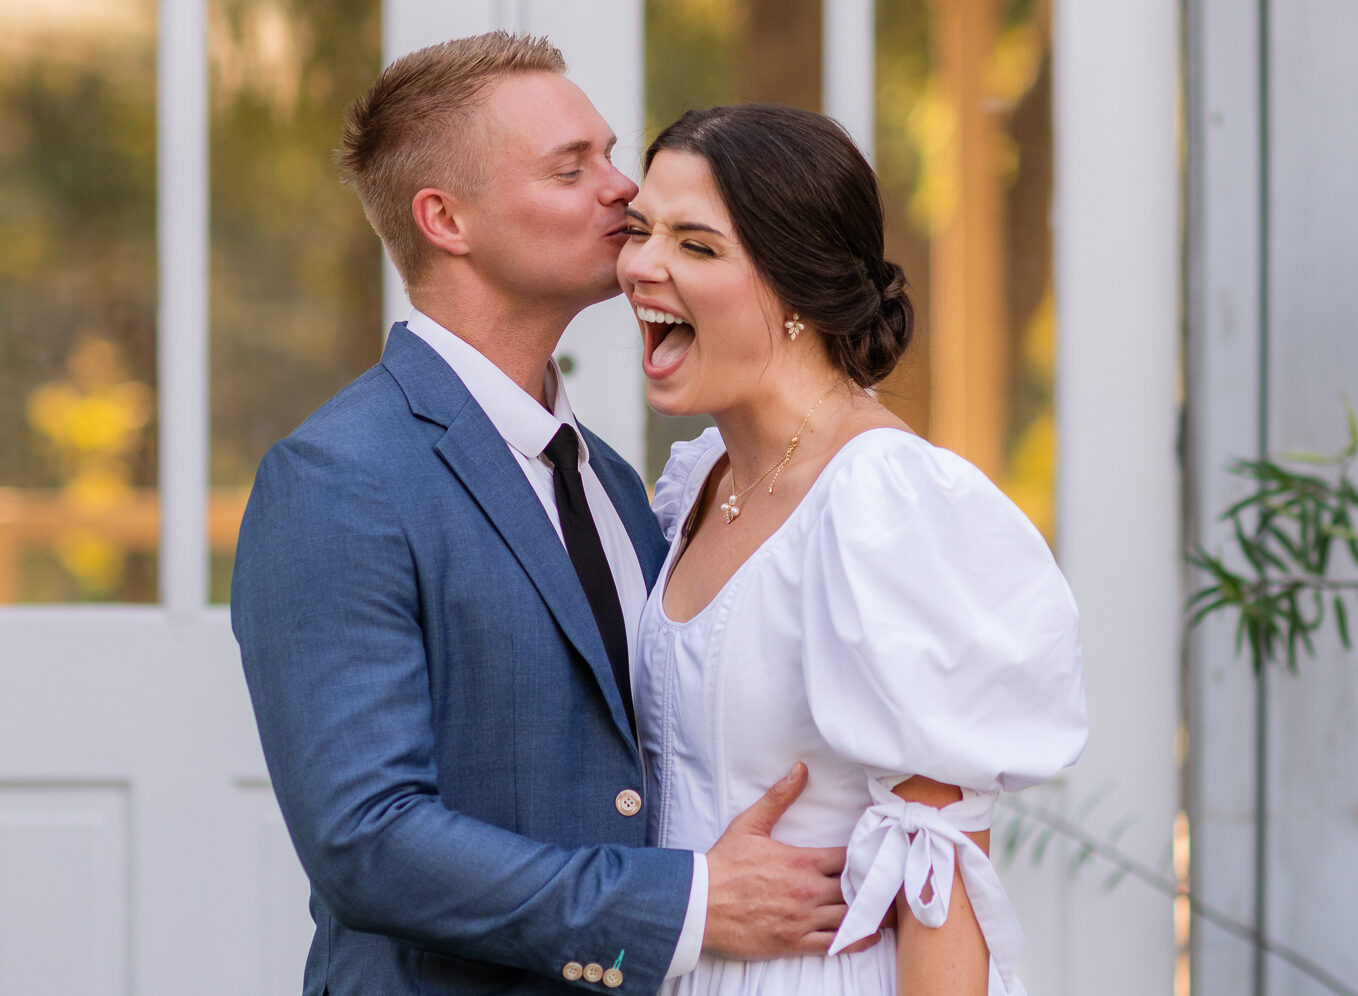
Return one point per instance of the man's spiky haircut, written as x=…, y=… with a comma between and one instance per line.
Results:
x=419, y=126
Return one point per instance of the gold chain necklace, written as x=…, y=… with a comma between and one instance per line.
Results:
x=731, y=506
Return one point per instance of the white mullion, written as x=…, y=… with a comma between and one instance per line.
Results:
x=848, y=91
x=182, y=329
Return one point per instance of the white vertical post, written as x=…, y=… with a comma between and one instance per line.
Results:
x=1117, y=298
x=848, y=68
x=182, y=329
x=1225, y=378
x=602, y=44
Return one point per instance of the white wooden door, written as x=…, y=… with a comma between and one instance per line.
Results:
x=141, y=850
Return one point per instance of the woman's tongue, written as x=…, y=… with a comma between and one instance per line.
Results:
x=674, y=342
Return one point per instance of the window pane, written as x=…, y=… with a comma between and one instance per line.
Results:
x=78, y=472
x=296, y=271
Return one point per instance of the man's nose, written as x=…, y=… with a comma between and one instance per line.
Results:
x=619, y=186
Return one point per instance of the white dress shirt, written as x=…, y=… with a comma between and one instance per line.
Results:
x=527, y=428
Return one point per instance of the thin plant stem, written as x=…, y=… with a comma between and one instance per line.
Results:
x=1164, y=884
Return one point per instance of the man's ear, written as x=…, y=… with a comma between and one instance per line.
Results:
x=440, y=216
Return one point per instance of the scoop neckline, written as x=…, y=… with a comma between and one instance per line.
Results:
x=719, y=449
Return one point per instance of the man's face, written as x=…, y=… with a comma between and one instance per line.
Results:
x=546, y=226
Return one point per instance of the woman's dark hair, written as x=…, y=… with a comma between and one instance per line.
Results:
x=807, y=209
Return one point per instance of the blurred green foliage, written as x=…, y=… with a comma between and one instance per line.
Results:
x=1300, y=510
x=295, y=275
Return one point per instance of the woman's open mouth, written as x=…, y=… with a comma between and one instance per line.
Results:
x=668, y=338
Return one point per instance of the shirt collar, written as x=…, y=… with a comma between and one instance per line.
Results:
x=518, y=418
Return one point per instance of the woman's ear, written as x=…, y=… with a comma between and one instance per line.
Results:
x=439, y=216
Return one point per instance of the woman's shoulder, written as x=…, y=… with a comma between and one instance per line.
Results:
x=893, y=500
x=683, y=477
x=892, y=471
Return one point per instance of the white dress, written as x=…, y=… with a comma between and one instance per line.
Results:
x=905, y=619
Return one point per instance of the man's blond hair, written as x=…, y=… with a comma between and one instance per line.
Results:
x=418, y=126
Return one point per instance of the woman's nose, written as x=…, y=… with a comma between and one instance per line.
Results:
x=641, y=263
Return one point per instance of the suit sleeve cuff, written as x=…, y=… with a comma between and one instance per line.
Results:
x=690, y=944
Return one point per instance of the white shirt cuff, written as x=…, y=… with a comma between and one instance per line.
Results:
x=690, y=944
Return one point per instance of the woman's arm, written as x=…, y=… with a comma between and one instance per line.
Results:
x=951, y=960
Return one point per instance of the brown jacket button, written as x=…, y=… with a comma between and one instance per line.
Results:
x=594, y=972
x=572, y=970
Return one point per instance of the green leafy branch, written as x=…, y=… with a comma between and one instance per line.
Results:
x=1287, y=530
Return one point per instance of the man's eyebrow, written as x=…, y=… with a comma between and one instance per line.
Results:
x=678, y=226
x=578, y=146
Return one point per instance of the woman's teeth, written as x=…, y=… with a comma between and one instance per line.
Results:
x=657, y=317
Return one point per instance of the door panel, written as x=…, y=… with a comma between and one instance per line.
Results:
x=141, y=850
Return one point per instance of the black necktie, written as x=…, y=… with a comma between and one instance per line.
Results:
x=587, y=554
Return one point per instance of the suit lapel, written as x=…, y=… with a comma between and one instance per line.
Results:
x=480, y=458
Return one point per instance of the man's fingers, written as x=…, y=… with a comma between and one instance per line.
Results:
x=819, y=941
x=860, y=945
x=827, y=860
x=771, y=806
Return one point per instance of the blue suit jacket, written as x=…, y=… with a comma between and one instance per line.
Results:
x=436, y=706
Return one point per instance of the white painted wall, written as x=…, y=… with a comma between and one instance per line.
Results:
x=141, y=851
x=1223, y=367
x=1311, y=358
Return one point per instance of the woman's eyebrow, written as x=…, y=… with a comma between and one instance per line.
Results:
x=678, y=226
x=697, y=226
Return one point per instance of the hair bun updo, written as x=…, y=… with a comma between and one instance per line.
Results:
x=808, y=211
x=888, y=334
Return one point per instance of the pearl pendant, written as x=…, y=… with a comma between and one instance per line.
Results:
x=730, y=509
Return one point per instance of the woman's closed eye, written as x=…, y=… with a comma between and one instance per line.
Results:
x=698, y=249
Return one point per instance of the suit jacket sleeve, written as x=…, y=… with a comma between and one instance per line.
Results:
x=325, y=607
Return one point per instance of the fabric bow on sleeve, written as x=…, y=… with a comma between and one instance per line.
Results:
x=910, y=845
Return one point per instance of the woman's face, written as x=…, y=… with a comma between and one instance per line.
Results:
x=708, y=319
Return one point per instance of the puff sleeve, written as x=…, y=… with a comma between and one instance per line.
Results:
x=674, y=491
x=940, y=640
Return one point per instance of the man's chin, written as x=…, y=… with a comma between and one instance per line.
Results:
x=609, y=289
x=582, y=294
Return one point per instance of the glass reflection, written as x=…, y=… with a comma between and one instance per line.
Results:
x=295, y=269
x=78, y=514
